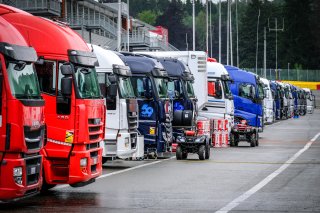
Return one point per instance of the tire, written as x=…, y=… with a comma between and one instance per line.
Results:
x=104, y=160
x=179, y=153
x=184, y=155
x=46, y=186
x=207, y=152
x=253, y=140
x=232, y=140
x=257, y=139
x=201, y=152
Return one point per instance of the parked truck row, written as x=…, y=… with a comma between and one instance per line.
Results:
x=68, y=107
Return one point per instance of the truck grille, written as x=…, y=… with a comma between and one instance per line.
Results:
x=133, y=121
x=94, y=157
x=95, y=130
x=33, y=169
x=33, y=138
x=133, y=137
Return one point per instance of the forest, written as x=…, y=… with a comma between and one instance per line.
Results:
x=298, y=24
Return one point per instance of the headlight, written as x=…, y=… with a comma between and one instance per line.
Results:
x=17, y=171
x=198, y=140
x=126, y=142
x=17, y=175
x=83, y=162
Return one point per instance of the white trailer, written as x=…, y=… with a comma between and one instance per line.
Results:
x=200, y=68
x=122, y=139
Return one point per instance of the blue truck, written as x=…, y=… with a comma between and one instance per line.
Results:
x=248, y=93
x=149, y=80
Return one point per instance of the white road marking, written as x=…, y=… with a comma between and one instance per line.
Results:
x=265, y=181
x=121, y=171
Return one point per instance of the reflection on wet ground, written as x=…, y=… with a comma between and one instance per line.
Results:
x=54, y=201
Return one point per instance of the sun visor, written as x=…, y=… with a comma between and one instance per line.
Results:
x=19, y=53
x=83, y=58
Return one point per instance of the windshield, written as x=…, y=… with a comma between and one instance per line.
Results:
x=226, y=88
x=125, y=86
x=175, y=90
x=87, y=83
x=161, y=86
x=260, y=91
x=24, y=82
x=189, y=88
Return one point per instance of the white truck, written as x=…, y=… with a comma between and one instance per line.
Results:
x=310, y=100
x=220, y=99
x=122, y=139
x=268, y=103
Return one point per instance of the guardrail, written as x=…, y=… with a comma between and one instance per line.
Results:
x=289, y=74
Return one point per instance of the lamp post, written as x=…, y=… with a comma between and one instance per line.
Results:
x=193, y=27
x=119, y=27
x=257, y=47
x=276, y=29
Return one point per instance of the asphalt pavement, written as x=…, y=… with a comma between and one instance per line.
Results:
x=281, y=175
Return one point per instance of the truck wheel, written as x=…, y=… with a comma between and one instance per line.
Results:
x=46, y=186
x=184, y=155
x=207, y=152
x=201, y=152
x=104, y=160
x=257, y=139
x=232, y=140
x=179, y=153
x=253, y=140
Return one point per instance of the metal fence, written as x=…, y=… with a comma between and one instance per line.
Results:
x=288, y=74
x=28, y=5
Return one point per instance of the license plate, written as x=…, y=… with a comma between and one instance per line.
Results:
x=33, y=170
x=95, y=160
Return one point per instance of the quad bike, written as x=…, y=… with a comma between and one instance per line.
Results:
x=190, y=142
x=244, y=132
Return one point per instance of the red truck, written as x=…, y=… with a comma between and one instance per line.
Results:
x=74, y=109
x=21, y=116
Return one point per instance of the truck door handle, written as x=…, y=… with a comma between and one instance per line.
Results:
x=241, y=108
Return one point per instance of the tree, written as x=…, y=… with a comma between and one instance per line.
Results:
x=148, y=16
x=172, y=19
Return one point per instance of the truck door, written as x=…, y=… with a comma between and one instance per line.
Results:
x=142, y=87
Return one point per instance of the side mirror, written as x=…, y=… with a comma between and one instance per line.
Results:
x=66, y=86
x=230, y=97
x=112, y=90
x=66, y=69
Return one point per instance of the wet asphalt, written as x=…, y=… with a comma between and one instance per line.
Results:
x=168, y=185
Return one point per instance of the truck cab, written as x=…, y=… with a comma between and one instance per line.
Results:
x=310, y=100
x=149, y=80
x=268, y=103
x=248, y=93
x=284, y=100
x=277, y=99
x=122, y=139
x=75, y=110
x=289, y=95
x=220, y=99
x=22, y=123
